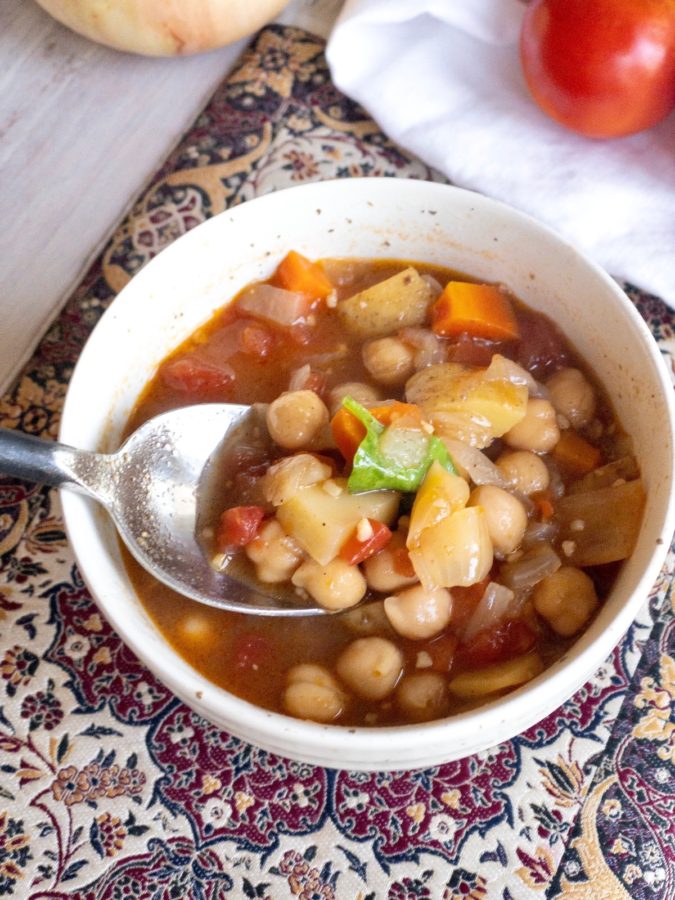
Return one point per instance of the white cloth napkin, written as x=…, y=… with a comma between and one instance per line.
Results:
x=443, y=79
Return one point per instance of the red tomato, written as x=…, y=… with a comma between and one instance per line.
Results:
x=510, y=638
x=355, y=551
x=542, y=347
x=603, y=68
x=255, y=340
x=465, y=600
x=401, y=562
x=251, y=651
x=198, y=377
x=472, y=351
x=238, y=526
x=442, y=652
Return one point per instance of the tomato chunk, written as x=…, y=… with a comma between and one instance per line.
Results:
x=464, y=602
x=238, y=526
x=471, y=351
x=514, y=637
x=359, y=547
x=442, y=652
x=199, y=377
x=402, y=563
x=255, y=340
x=251, y=651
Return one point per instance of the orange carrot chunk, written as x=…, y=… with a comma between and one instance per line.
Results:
x=297, y=273
x=348, y=433
x=575, y=455
x=480, y=310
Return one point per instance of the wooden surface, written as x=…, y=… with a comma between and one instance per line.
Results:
x=82, y=128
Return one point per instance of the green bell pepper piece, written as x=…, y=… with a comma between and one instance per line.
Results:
x=372, y=470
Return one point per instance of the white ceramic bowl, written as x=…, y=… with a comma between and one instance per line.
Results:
x=385, y=218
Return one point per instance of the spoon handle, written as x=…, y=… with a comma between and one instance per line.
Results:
x=45, y=462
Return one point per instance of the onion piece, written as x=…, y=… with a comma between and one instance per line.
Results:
x=307, y=379
x=430, y=350
x=434, y=284
x=273, y=304
x=299, y=378
x=536, y=532
x=474, y=463
x=503, y=369
x=492, y=607
x=535, y=564
x=498, y=677
x=611, y=520
x=456, y=550
x=555, y=484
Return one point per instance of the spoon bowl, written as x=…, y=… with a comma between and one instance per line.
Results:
x=151, y=488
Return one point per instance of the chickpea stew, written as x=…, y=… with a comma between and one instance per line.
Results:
x=434, y=462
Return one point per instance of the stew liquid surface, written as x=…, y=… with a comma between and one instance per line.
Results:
x=539, y=477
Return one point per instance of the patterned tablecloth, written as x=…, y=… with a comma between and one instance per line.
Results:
x=112, y=788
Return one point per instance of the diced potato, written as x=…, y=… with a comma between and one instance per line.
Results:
x=498, y=677
x=291, y=474
x=321, y=522
x=463, y=405
x=440, y=494
x=605, y=476
x=600, y=526
x=398, y=302
x=455, y=551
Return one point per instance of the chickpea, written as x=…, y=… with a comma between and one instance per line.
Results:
x=285, y=478
x=389, y=360
x=312, y=693
x=573, y=396
x=197, y=628
x=274, y=553
x=505, y=517
x=566, y=599
x=524, y=471
x=296, y=417
x=538, y=431
x=371, y=667
x=423, y=696
x=334, y=586
x=380, y=569
x=360, y=391
x=418, y=613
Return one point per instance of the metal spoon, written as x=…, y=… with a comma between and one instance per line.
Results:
x=150, y=487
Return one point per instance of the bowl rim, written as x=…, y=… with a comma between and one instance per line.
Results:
x=269, y=729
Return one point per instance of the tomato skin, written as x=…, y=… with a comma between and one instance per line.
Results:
x=510, y=638
x=442, y=652
x=198, y=377
x=255, y=340
x=355, y=551
x=604, y=68
x=238, y=526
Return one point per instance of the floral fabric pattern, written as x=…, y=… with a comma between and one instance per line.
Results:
x=112, y=788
